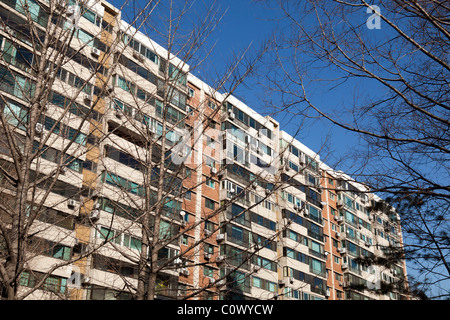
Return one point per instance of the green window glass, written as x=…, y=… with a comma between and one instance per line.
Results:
x=15, y=115
x=135, y=243
x=85, y=37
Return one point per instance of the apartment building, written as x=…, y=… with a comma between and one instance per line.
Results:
x=245, y=211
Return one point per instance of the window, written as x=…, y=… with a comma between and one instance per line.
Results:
x=55, y=284
x=293, y=166
x=335, y=243
x=89, y=165
x=209, y=226
x=210, y=204
x=257, y=282
x=16, y=115
x=332, y=195
x=207, y=248
x=85, y=37
x=191, y=92
x=92, y=17
x=294, y=151
x=125, y=85
x=51, y=283
x=211, y=105
x=60, y=252
x=271, y=286
x=210, y=183
x=237, y=233
x=208, y=271
x=210, y=142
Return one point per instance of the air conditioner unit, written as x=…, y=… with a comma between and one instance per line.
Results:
x=184, y=271
x=221, y=282
x=306, y=213
x=327, y=293
x=109, y=88
x=39, y=128
x=301, y=159
x=248, y=139
x=220, y=237
x=344, y=266
x=342, y=250
x=95, y=194
x=95, y=52
x=231, y=116
x=367, y=244
x=207, y=256
x=220, y=259
x=340, y=219
x=207, y=232
x=87, y=98
x=340, y=283
x=94, y=215
x=118, y=113
x=71, y=203
x=256, y=268
x=338, y=234
x=62, y=4
x=63, y=170
x=71, y=10
x=86, y=280
x=138, y=56
x=213, y=170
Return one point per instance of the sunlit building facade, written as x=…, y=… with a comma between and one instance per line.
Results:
x=265, y=218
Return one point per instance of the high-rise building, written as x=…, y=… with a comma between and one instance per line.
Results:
x=247, y=210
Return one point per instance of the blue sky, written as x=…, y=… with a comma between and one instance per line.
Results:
x=248, y=23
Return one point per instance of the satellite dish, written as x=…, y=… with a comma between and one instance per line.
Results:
x=182, y=213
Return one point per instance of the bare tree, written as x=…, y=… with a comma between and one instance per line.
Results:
x=389, y=59
x=99, y=169
x=172, y=163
